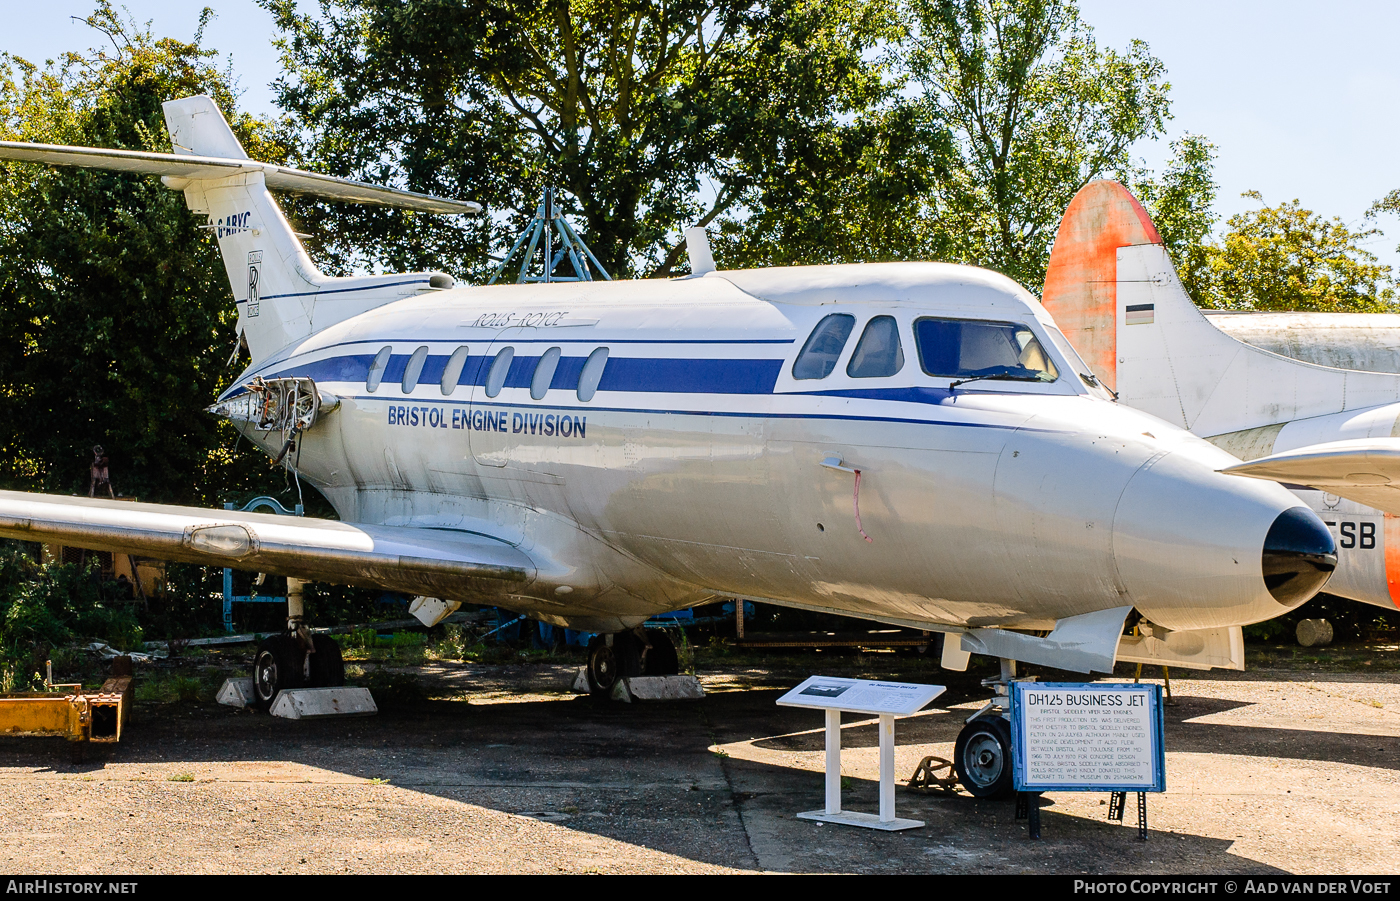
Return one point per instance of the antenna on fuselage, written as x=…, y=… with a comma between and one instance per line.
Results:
x=548, y=223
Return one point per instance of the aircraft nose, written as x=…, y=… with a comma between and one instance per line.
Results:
x=1299, y=556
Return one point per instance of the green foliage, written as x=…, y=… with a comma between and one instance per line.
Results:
x=113, y=301
x=650, y=116
x=1037, y=110
x=1289, y=258
x=46, y=606
x=1181, y=203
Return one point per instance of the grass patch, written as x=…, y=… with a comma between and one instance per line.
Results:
x=171, y=688
x=181, y=777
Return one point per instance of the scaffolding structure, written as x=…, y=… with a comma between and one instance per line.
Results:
x=549, y=226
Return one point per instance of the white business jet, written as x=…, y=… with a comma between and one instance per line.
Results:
x=912, y=443
x=1329, y=433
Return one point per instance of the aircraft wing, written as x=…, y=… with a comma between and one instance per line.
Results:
x=436, y=562
x=183, y=166
x=1366, y=470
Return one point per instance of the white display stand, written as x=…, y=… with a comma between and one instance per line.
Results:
x=886, y=700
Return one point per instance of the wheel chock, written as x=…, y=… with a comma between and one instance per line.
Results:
x=236, y=692
x=310, y=703
x=935, y=775
x=657, y=688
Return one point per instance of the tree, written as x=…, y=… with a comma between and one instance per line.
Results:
x=113, y=300
x=1037, y=110
x=1290, y=258
x=650, y=116
x=1181, y=202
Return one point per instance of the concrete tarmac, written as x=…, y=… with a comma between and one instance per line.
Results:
x=1267, y=773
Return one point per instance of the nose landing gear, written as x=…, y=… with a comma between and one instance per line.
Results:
x=982, y=754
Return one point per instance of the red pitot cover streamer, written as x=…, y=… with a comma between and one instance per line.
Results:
x=857, y=505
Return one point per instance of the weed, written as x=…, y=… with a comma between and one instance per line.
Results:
x=569, y=810
x=181, y=777
x=845, y=783
x=719, y=752
x=172, y=688
x=377, y=780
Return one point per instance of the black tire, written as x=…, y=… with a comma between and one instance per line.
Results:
x=982, y=757
x=661, y=657
x=627, y=648
x=327, y=666
x=277, y=666
x=602, y=665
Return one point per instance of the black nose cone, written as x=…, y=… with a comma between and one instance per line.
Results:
x=1299, y=556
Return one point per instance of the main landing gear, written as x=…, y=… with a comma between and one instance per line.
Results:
x=982, y=755
x=295, y=658
x=640, y=652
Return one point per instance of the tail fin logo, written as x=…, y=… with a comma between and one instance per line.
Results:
x=254, y=264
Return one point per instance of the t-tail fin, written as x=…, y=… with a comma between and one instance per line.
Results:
x=1113, y=290
x=282, y=297
x=274, y=282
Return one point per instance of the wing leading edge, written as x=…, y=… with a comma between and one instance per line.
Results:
x=1365, y=470
x=440, y=563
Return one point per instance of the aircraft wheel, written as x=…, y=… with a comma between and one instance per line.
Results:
x=327, y=666
x=276, y=666
x=982, y=757
x=661, y=659
x=602, y=665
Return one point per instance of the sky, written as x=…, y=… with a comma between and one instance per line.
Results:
x=1299, y=98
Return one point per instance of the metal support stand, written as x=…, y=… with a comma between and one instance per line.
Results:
x=1028, y=808
x=833, y=813
x=230, y=598
x=1117, y=801
x=540, y=234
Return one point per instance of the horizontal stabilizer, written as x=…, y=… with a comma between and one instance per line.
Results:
x=179, y=169
x=1365, y=470
x=439, y=563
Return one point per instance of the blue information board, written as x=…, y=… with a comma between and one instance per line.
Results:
x=1076, y=736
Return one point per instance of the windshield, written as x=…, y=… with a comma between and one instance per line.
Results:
x=1086, y=375
x=973, y=348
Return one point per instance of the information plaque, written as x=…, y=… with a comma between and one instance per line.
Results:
x=1070, y=736
x=886, y=700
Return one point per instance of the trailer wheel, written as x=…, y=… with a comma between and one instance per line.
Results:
x=327, y=666
x=276, y=667
x=982, y=757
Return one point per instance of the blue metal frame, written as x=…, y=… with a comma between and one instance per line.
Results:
x=1153, y=694
x=257, y=503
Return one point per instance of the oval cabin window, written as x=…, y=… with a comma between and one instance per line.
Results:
x=592, y=374
x=452, y=373
x=500, y=368
x=544, y=373
x=414, y=369
x=376, y=369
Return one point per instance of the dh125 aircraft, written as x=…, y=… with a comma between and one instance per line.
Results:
x=1329, y=432
x=912, y=443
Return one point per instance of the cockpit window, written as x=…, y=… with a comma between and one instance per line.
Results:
x=972, y=348
x=879, y=352
x=823, y=347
